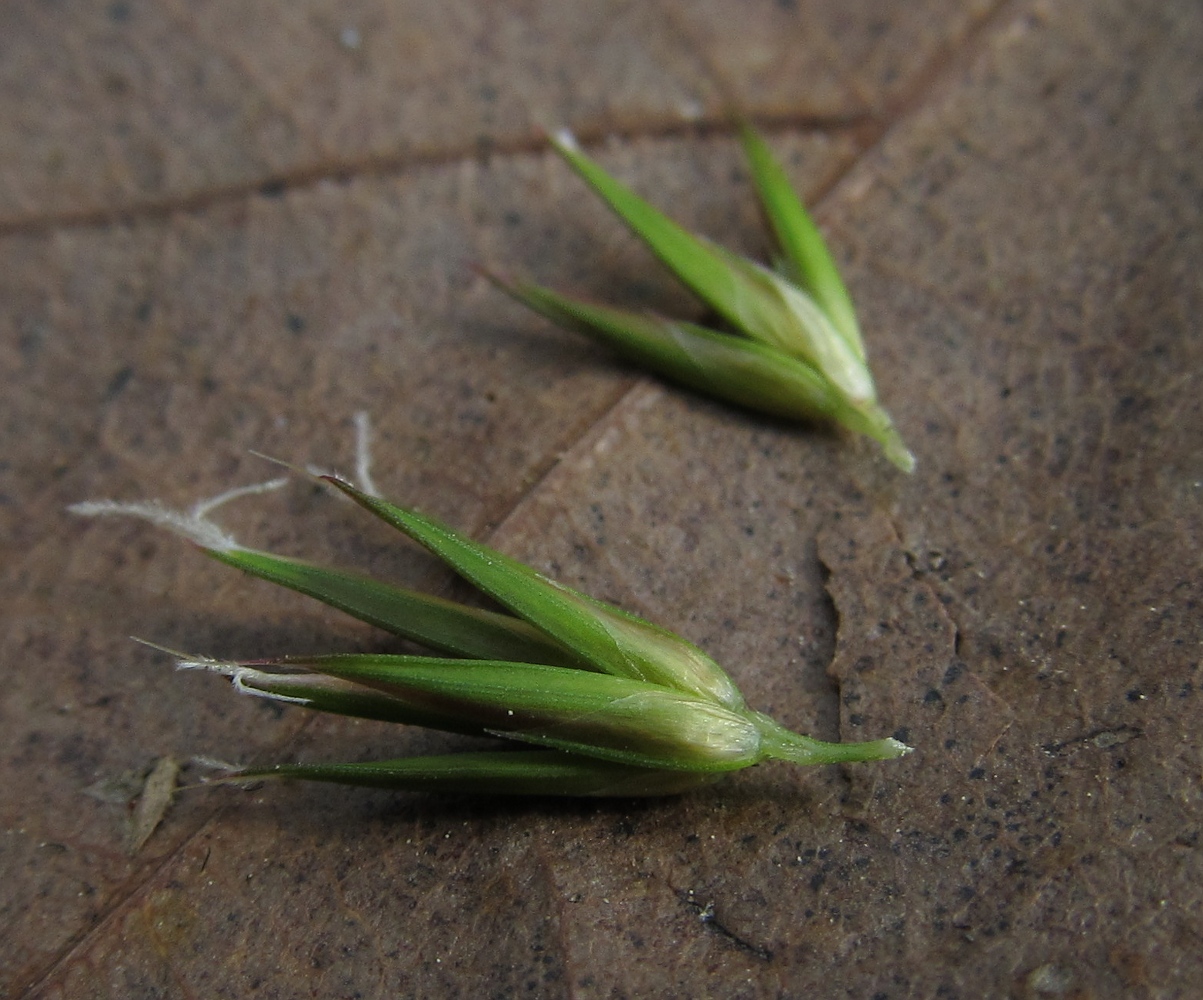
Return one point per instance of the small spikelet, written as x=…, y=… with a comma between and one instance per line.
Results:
x=613, y=704
x=803, y=354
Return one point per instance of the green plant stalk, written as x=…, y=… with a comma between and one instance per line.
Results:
x=496, y=772
x=593, y=715
x=336, y=696
x=697, y=263
x=811, y=263
x=436, y=623
x=611, y=639
x=597, y=715
x=733, y=368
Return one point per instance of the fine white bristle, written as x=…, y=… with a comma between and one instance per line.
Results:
x=195, y=529
x=191, y=524
x=363, y=453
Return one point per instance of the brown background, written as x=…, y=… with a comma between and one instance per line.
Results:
x=227, y=226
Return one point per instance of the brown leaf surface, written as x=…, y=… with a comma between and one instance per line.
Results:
x=224, y=229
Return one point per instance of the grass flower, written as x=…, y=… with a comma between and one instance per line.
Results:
x=796, y=349
x=594, y=700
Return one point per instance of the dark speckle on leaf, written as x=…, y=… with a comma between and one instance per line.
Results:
x=118, y=382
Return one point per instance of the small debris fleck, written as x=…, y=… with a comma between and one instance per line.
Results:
x=157, y=793
x=1050, y=980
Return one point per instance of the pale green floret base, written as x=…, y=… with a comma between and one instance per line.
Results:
x=871, y=420
x=779, y=743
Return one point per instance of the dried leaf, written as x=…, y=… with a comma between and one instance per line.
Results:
x=157, y=793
